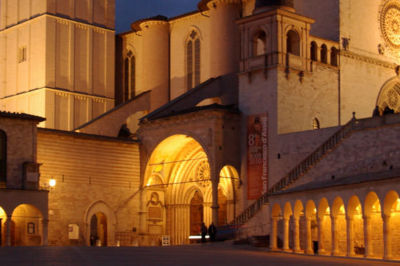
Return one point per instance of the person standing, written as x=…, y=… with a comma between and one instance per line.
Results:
x=203, y=232
x=212, y=231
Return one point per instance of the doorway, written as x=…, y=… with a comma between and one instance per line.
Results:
x=98, y=229
x=196, y=213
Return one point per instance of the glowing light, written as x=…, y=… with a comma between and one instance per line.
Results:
x=358, y=208
x=2, y=213
x=197, y=237
x=52, y=182
x=341, y=210
x=315, y=210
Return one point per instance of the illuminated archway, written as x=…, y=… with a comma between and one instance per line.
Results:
x=26, y=226
x=106, y=222
x=325, y=227
x=391, y=212
x=373, y=226
x=389, y=96
x=177, y=168
x=339, y=228
x=3, y=218
x=355, y=228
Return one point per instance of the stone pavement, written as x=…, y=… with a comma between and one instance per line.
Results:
x=211, y=254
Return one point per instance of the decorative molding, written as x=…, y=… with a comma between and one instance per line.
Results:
x=367, y=59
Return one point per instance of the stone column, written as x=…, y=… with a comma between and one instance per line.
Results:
x=309, y=247
x=8, y=231
x=214, y=205
x=321, y=246
x=367, y=237
x=285, y=234
x=45, y=224
x=296, y=235
x=335, y=240
x=350, y=237
x=387, y=238
x=274, y=234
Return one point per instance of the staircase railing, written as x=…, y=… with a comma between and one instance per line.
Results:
x=302, y=168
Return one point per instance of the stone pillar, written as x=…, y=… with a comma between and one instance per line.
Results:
x=296, y=235
x=274, y=234
x=387, y=238
x=335, y=240
x=285, y=234
x=45, y=225
x=214, y=205
x=367, y=237
x=309, y=247
x=321, y=246
x=350, y=237
x=8, y=231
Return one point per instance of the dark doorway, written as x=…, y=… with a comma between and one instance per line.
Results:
x=98, y=229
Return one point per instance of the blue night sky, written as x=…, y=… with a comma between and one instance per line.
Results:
x=128, y=11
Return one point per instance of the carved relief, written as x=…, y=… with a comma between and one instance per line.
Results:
x=389, y=97
x=203, y=174
x=154, y=207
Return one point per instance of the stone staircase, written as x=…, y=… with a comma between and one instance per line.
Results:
x=301, y=169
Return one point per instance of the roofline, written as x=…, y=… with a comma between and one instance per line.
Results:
x=22, y=116
x=87, y=136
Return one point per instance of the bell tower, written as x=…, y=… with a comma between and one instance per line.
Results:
x=57, y=59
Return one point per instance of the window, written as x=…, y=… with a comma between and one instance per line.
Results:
x=324, y=54
x=31, y=228
x=316, y=124
x=22, y=54
x=314, y=51
x=293, y=43
x=259, y=44
x=129, y=76
x=334, y=56
x=3, y=157
x=193, y=60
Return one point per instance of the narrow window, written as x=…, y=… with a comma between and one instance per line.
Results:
x=314, y=51
x=324, y=54
x=293, y=43
x=193, y=55
x=259, y=44
x=316, y=124
x=129, y=76
x=22, y=54
x=31, y=228
x=132, y=86
x=3, y=157
x=334, y=56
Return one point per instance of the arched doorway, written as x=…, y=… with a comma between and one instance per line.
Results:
x=26, y=226
x=389, y=96
x=98, y=229
x=196, y=213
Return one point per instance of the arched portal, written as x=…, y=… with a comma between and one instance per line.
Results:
x=389, y=96
x=100, y=224
x=98, y=229
x=26, y=226
x=179, y=167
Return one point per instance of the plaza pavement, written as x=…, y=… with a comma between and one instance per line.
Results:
x=208, y=254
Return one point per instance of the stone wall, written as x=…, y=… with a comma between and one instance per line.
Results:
x=92, y=174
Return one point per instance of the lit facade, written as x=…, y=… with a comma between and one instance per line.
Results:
x=212, y=110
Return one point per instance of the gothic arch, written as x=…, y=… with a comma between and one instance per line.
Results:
x=389, y=95
x=96, y=207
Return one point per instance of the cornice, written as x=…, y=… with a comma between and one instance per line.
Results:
x=367, y=59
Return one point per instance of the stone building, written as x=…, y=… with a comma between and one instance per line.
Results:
x=256, y=114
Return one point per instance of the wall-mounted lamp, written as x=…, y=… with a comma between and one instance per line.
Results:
x=52, y=183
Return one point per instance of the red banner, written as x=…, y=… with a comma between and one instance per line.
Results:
x=257, y=156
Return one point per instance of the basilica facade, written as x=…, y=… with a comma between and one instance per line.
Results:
x=275, y=117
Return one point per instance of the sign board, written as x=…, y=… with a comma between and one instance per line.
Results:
x=73, y=231
x=165, y=240
x=257, y=156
